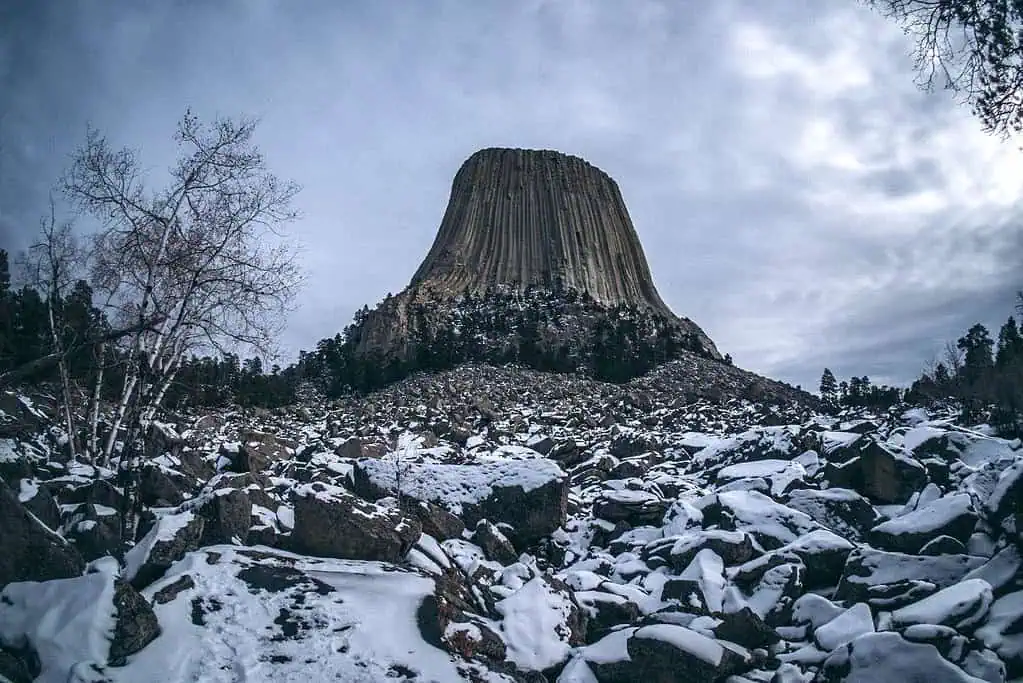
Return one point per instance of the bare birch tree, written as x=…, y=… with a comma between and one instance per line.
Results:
x=50, y=266
x=202, y=254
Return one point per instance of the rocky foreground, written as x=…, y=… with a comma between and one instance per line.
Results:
x=503, y=525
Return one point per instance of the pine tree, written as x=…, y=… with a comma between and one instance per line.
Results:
x=1010, y=344
x=829, y=388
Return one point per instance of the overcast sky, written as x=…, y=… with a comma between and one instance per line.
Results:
x=796, y=194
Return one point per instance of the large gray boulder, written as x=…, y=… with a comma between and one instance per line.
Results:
x=332, y=522
x=530, y=496
x=892, y=580
x=952, y=516
x=31, y=551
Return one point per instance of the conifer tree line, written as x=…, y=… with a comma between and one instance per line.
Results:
x=857, y=392
x=981, y=374
x=564, y=331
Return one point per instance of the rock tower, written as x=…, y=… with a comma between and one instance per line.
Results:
x=527, y=220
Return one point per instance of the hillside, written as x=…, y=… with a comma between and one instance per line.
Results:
x=502, y=524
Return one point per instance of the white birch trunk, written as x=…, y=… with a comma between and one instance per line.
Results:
x=93, y=446
x=65, y=383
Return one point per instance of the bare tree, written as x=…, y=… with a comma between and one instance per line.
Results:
x=202, y=254
x=50, y=266
x=401, y=458
x=972, y=47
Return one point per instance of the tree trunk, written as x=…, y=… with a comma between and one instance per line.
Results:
x=97, y=388
x=65, y=383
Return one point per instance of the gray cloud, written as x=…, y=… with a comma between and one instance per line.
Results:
x=796, y=194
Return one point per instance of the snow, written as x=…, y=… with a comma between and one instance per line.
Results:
x=357, y=633
x=708, y=571
x=929, y=518
x=454, y=486
x=27, y=490
x=534, y=625
x=830, y=441
x=960, y=605
x=781, y=473
x=614, y=647
x=850, y=624
x=165, y=529
x=698, y=645
x=68, y=622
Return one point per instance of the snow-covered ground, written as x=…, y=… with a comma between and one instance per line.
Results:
x=548, y=527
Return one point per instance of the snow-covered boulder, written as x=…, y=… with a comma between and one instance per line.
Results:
x=733, y=547
x=605, y=610
x=961, y=606
x=436, y=521
x=494, y=543
x=880, y=472
x=38, y=500
x=781, y=475
x=952, y=515
x=843, y=511
x=892, y=580
x=887, y=656
x=1007, y=497
x=76, y=625
x=161, y=486
x=669, y=652
x=849, y=625
x=227, y=514
x=331, y=522
x=531, y=496
x=541, y=622
x=770, y=523
x=95, y=530
x=1003, y=631
x=168, y=541
x=821, y=554
x=635, y=507
x=700, y=587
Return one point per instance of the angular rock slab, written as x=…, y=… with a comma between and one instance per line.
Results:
x=331, y=522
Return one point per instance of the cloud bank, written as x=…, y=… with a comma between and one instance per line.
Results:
x=796, y=194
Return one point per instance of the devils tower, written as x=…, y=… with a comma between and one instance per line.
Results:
x=519, y=217
x=540, y=237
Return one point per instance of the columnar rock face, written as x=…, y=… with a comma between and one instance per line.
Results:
x=524, y=217
x=525, y=220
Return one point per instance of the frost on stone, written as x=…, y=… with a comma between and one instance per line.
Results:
x=453, y=486
x=961, y=606
x=67, y=622
x=535, y=625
